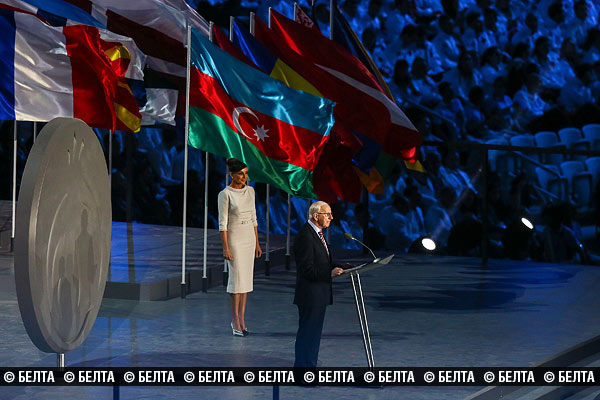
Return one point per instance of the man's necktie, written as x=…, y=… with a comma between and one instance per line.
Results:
x=323, y=241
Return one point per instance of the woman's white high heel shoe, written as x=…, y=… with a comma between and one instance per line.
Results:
x=236, y=332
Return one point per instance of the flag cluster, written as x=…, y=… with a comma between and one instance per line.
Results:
x=112, y=63
x=73, y=71
x=302, y=111
x=367, y=123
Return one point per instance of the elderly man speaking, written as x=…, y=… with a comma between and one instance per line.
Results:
x=314, y=270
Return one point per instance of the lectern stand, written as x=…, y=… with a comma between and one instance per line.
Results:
x=354, y=274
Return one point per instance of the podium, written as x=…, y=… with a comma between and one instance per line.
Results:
x=354, y=274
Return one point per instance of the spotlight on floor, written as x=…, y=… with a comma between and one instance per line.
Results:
x=428, y=244
x=527, y=223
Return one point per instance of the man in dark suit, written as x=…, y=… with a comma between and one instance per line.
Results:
x=314, y=270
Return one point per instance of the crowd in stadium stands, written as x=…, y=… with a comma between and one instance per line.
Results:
x=480, y=71
x=474, y=70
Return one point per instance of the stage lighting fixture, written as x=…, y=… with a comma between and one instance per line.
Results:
x=527, y=223
x=428, y=244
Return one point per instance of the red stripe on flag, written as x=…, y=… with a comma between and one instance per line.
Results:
x=93, y=80
x=285, y=142
x=97, y=82
x=123, y=95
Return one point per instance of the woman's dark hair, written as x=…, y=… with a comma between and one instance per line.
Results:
x=235, y=165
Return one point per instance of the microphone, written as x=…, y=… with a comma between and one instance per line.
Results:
x=349, y=236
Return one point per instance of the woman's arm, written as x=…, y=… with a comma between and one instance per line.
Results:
x=223, y=202
x=225, y=240
x=258, y=250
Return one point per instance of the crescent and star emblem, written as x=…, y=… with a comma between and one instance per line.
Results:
x=260, y=132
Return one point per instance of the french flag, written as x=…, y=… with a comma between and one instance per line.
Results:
x=159, y=29
x=75, y=71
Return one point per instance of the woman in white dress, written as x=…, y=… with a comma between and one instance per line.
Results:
x=239, y=235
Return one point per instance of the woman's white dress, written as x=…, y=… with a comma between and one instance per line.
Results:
x=237, y=216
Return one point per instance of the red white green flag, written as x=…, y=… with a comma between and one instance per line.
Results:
x=238, y=111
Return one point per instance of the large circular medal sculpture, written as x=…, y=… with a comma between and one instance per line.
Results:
x=63, y=231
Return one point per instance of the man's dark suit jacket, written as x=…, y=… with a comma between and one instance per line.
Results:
x=313, y=269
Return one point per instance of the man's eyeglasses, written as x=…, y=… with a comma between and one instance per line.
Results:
x=328, y=214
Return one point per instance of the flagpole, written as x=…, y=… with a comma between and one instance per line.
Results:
x=110, y=153
x=268, y=202
x=185, y=161
x=206, y=166
x=287, y=239
x=204, y=243
x=267, y=259
x=225, y=270
x=14, y=186
x=331, y=4
x=289, y=197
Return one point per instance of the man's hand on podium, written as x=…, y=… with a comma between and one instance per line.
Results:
x=337, y=271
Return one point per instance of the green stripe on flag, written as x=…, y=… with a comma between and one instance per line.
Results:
x=210, y=133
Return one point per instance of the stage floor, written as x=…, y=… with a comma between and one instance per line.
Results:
x=423, y=311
